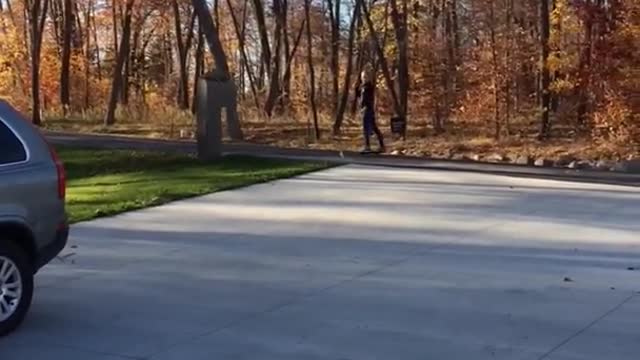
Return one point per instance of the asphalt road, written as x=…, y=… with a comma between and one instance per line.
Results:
x=346, y=157
x=355, y=263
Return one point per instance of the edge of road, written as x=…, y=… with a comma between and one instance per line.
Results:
x=345, y=158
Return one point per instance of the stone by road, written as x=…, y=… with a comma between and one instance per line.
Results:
x=357, y=263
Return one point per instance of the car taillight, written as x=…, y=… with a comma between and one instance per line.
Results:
x=62, y=177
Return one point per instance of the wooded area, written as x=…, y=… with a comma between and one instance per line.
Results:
x=495, y=69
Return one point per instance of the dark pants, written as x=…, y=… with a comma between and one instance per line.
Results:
x=369, y=125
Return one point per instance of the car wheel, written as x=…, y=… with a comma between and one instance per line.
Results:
x=16, y=286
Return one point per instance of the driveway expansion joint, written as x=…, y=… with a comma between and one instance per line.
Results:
x=587, y=327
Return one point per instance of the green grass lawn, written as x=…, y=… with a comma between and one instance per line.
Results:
x=108, y=182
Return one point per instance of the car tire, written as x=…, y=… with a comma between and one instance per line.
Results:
x=12, y=255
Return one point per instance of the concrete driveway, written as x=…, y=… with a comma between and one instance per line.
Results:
x=352, y=263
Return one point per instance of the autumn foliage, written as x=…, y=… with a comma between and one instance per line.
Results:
x=482, y=67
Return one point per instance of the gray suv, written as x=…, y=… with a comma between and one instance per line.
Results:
x=33, y=222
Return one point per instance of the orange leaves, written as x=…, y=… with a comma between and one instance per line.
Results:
x=13, y=67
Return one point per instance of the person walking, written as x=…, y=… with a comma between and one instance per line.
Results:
x=368, y=112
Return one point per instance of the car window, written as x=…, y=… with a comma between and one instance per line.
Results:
x=11, y=148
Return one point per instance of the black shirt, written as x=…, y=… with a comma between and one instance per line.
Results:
x=368, y=96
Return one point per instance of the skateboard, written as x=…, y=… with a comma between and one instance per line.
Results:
x=371, y=152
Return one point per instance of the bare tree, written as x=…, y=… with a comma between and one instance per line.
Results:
x=262, y=32
x=386, y=72
x=545, y=79
x=508, y=77
x=95, y=41
x=334, y=16
x=584, y=65
x=183, y=52
x=199, y=66
x=68, y=19
x=496, y=70
x=342, y=105
x=400, y=24
x=241, y=44
x=121, y=57
x=37, y=14
x=276, y=62
x=87, y=55
x=312, y=74
x=292, y=52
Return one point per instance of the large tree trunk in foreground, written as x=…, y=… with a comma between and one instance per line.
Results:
x=211, y=34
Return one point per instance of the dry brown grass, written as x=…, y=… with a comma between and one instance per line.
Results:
x=462, y=138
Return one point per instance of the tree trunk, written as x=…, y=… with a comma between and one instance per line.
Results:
x=508, y=76
x=386, y=72
x=323, y=87
x=286, y=79
x=456, y=44
x=211, y=35
x=385, y=35
x=121, y=57
x=584, y=66
x=450, y=56
x=276, y=61
x=10, y=11
x=243, y=52
x=261, y=75
x=334, y=14
x=132, y=49
x=496, y=71
x=545, y=79
x=65, y=92
x=262, y=32
x=360, y=59
x=312, y=75
x=56, y=9
x=216, y=13
x=434, y=67
x=220, y=58
x=114, y=15
x=37, y=16
x=95, y=41
x=400, y=26
x=355, y=18
x=199, y=60
x=183, y=52
x=292, y=53
x=87, y=56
